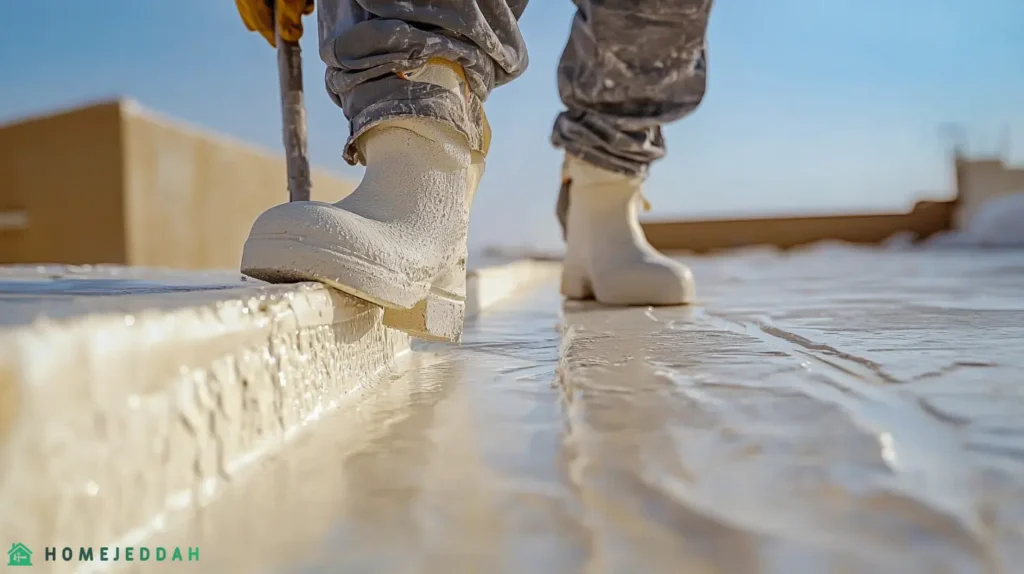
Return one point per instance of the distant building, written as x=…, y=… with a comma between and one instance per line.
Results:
x=981, y=179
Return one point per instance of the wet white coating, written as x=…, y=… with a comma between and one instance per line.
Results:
x=824, y=411
x=131, y=396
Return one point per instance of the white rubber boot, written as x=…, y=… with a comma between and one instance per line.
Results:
x=399, y=240
x=607, y=255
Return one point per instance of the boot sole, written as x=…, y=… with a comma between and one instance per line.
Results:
x=576, y=285
x=436, y=316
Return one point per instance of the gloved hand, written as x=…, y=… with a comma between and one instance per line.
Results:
x=258, y=16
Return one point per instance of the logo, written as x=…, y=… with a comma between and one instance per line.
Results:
x=19, y=555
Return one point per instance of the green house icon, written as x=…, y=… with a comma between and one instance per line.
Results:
x=19, y=555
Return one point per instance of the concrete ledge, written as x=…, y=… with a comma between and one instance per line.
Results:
x=128, y=395
x=112, y=419
x=490, y=285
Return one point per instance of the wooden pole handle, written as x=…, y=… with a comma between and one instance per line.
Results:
x=293, y=116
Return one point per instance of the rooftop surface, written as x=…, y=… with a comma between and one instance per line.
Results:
x=824, y=410
x=831, y=410
x=32, y=293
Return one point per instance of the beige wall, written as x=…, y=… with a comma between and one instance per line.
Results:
x=926, y=219
x=192, y=197
x=61, y=176
x=111, y=183
x=982, y=179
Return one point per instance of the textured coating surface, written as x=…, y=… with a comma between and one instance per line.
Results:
x=855, y=412
x=130, y=399
x=129, y=396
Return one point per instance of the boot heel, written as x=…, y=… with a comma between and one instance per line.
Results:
x=438, y=317
x=576, y=285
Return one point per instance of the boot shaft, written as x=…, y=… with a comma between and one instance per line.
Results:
x=600, y=198
x=406, y=156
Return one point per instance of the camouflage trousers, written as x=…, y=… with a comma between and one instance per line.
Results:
x=629, y=67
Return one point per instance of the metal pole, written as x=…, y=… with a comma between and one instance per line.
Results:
x=293, y=116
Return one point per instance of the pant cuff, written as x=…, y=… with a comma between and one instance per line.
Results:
x=600, y=141
x=415, y=100
x=605, y=161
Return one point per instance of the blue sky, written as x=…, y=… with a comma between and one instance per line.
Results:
x=812, y=105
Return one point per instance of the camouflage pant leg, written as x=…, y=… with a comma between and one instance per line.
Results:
x=366, y=42
x=629, y=67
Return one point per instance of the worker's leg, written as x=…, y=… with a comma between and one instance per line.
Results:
x=411, y=77
x=629, y=67
x=367, y=44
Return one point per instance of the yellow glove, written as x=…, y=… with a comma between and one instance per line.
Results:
x=258, y=16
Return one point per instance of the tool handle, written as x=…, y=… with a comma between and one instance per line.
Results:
x=293, y=116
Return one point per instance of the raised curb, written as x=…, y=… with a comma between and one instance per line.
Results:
x=118, y=412
x=490, y=285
